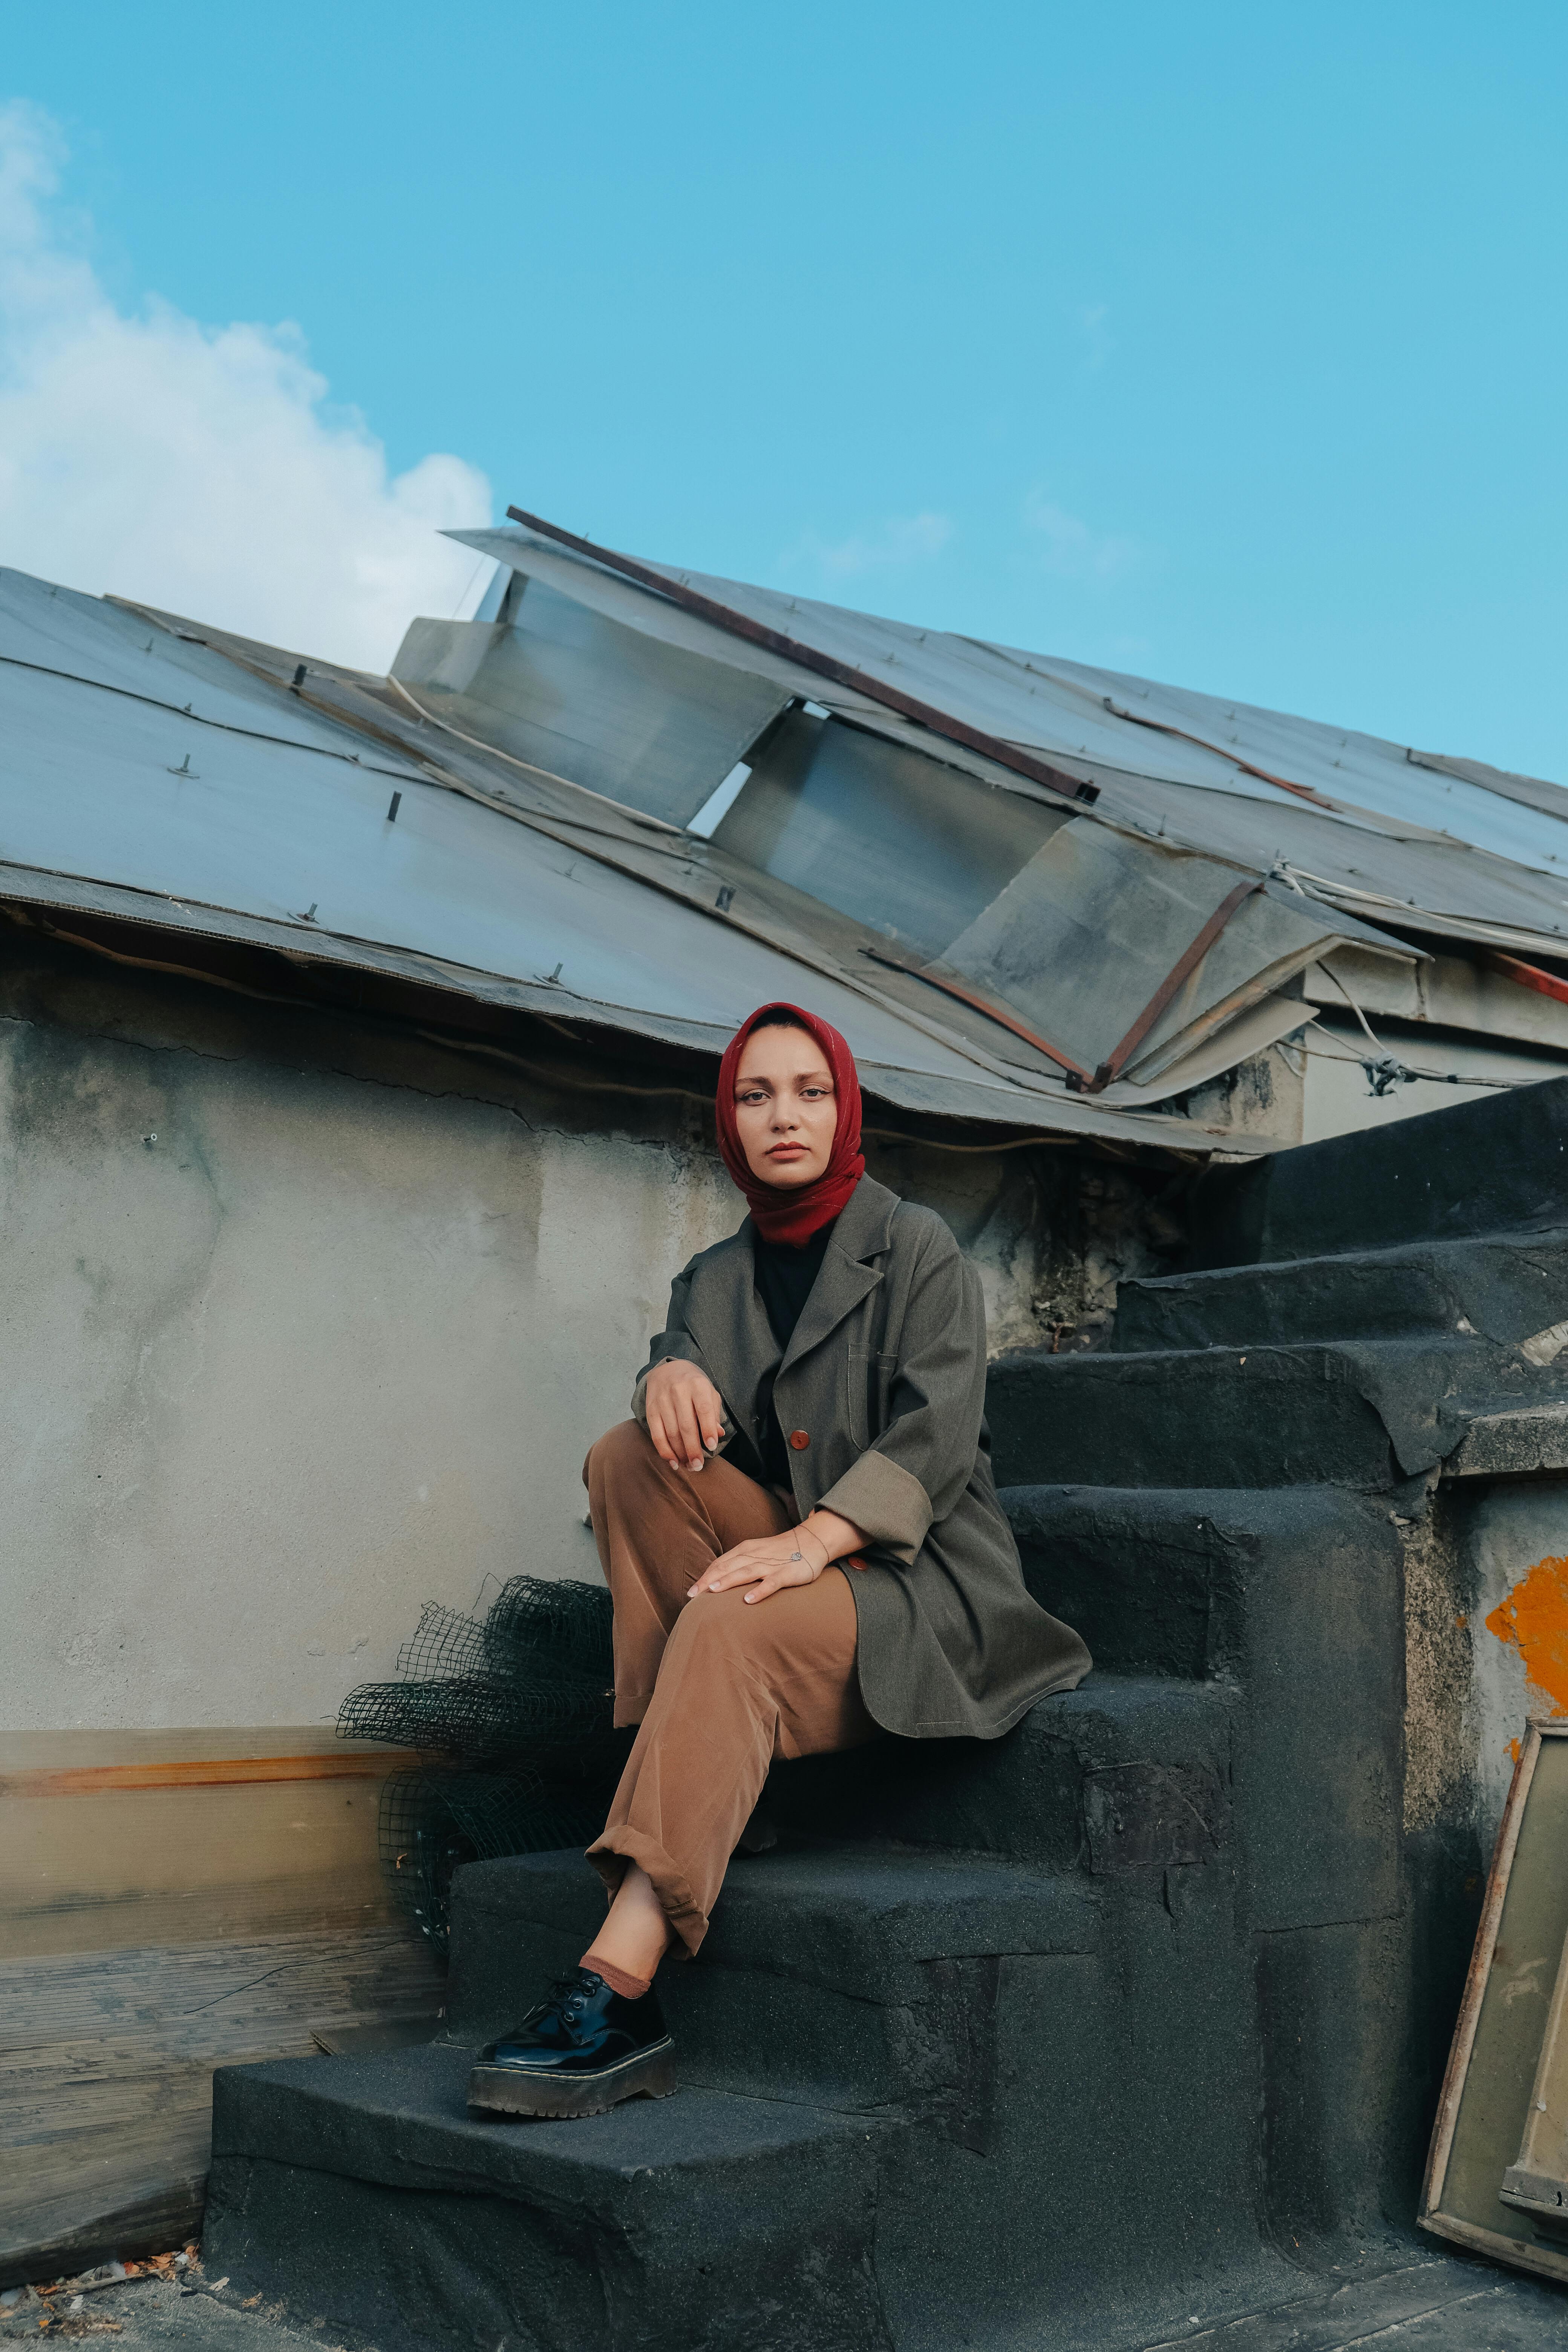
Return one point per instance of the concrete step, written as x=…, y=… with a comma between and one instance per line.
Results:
x=1475, y=1167
x=1497, y=1289
x=1365, y=1414
x=363, y=2191
x=1293, y=1599
x=1039, y=1797
x=1168, y=1582
x=848, y=1977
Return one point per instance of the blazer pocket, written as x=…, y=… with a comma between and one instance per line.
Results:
x=868, y=1389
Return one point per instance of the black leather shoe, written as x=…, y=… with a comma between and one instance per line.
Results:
x=578, y=2054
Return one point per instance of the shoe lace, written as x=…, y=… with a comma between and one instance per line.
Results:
x=568, y=1996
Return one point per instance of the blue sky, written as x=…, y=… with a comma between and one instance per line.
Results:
x=1223, y=343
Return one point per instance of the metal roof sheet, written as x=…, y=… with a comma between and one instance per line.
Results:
x=1105, y=722
x=145, y=775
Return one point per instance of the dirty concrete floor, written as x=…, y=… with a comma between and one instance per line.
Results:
x=1436, y=2302
x=146, y=2312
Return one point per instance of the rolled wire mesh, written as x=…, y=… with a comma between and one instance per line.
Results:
x=535, y=1672
x=565, y=1620
x=520, y=1705
x=435, y=1819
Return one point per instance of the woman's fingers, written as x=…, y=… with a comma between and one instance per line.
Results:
x=685, y=1415
x=710, y=1415
x=759, y=1562
x=690, y=1437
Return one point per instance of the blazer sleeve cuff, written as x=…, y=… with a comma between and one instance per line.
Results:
x=890, y=1509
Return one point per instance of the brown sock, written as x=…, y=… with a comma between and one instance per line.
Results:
x=620, y=1981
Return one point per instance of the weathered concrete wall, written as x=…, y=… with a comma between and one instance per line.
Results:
x=300, y=1329
x=285, y=1354
x=1514, y=1551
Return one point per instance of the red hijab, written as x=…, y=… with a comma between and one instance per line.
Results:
x=781, y=1215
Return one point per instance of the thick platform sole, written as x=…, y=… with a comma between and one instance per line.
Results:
x=512, y=2091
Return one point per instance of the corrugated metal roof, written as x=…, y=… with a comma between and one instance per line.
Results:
x=147, y=775
x=1112, y=729
x=988, y=943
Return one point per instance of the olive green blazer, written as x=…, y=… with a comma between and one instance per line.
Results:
x=882, y=1392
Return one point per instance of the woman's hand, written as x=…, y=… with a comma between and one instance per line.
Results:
x=684, y=1413
x=769, y=1563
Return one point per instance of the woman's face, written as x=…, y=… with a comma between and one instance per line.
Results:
x=785, y=1108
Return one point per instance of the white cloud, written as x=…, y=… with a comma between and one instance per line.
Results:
x=893, y=545
x=196, y=468
x=1072, y=551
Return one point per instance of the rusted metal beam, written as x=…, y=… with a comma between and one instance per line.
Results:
x=1055, y=781
x=1079, y=1080
x=1264, y=775
x=1528, y=975
x=1005, y=1020
x=1111, y=1069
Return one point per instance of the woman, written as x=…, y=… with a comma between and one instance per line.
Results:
x=801, y=1536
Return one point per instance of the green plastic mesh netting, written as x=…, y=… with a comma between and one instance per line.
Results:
x=517, y=1706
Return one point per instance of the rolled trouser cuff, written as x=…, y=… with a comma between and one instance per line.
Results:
x=621, y=1844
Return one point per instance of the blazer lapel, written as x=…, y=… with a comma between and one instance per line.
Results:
x=862, y=1232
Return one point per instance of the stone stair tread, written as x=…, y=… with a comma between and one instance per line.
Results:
x=1485, y=1167
x=402, y=2119
x=812, y=1958
x=364, y=2190
x=1505, y=1286
x=1362, y=1413
x=881, y=1908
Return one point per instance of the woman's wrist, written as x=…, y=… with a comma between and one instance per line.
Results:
x=834, y=1537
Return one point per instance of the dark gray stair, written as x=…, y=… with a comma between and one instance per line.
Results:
x=1034, y=1796
x=1168, y=1582
x=1500, y=1288
x=364, y=2190
x=845, y=1976
x=1275, y=1593
x=1476, y=1167
x=1361, y=1414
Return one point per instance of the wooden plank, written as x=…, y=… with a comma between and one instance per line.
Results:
x=106, y=2061
x=125, y=1838
x=209, y=1772
x=1485, y=2101
x=171, y=1901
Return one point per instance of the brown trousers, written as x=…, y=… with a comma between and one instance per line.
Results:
x=719, y=1686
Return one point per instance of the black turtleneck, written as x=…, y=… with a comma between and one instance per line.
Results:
x=785, y=1277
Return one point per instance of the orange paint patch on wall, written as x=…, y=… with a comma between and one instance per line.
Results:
x=1533, y=1620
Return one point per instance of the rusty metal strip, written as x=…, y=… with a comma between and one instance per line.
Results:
x=1528, y=975
x=1111, y=1069
x=1264, y=775
x=1079, y=1080
x=208, y=1772
x=773, y=641
x=992, y=1012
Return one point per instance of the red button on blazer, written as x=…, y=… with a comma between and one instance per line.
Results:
x=799, y=1439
